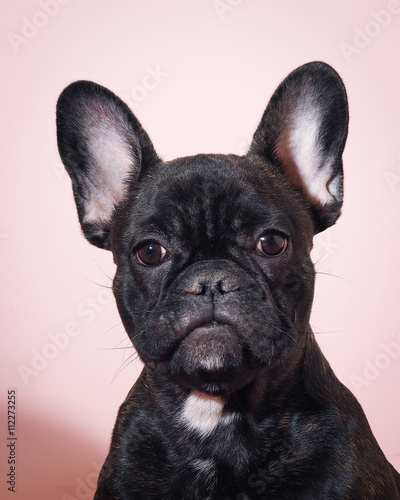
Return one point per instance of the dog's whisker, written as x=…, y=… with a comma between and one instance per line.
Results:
x=117, y=325
x=334, y=276
x=102, y=270
x=115, y=348
x=317, y=261
x=131, y=359
x=101, y=285
x=272, y=355
x=327, y=332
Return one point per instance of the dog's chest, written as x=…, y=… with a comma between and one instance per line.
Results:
x=209, y=452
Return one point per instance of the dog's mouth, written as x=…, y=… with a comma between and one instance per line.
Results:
x=211, y=359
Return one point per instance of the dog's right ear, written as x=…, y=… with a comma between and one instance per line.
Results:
x=302, y=135
x=104, y=149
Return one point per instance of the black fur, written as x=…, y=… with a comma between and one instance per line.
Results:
x=214, y=285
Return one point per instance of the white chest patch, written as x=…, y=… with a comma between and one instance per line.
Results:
x=203, y=413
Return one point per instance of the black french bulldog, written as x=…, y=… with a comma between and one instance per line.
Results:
x=214, y=285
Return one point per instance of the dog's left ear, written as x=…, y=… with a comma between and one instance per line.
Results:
x=302, y=134
x=105, y=151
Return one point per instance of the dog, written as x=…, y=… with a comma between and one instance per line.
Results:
x=214, y=285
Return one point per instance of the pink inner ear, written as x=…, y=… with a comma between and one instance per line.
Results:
x=111, y=165
x=305, y=163
x=285, y=154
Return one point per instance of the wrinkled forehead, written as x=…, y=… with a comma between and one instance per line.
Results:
x=206, y=181
x=206, y=177
x=210, y=185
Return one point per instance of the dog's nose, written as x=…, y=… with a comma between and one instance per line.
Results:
x=212, y=285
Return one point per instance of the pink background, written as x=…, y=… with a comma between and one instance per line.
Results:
x=217, y=64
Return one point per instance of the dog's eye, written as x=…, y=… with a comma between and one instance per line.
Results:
x=271, y=244
x=151, y=254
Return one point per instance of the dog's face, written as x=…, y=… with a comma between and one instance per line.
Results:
x=214, y=280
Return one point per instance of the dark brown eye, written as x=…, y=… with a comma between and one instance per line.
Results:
x=151, y=254
x=271, y=244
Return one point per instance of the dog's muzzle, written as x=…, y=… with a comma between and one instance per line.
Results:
x=210, y=354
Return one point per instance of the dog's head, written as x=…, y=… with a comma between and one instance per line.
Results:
x=214, y=280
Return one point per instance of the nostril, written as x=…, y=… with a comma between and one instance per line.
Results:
x=197, y=288
x=221, y=286
x=226, y=285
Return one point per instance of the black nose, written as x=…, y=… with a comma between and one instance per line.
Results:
x=212, y=284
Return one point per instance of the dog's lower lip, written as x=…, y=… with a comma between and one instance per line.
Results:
x=212, y=325
x=217, y=377
x=209, y=357
x=208, y=326
x=213, y=332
